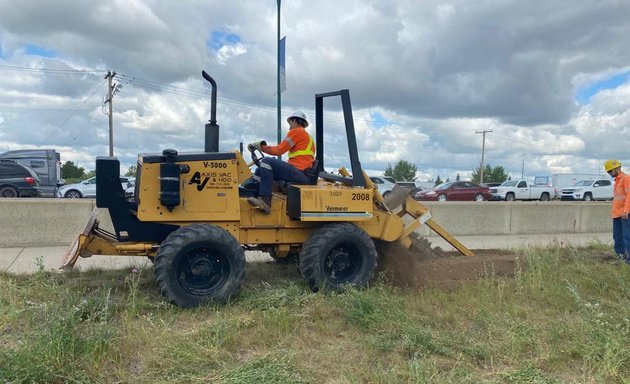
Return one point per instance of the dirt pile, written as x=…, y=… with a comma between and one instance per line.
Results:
x=421, y=266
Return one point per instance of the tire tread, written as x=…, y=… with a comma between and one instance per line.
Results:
x=184, y=236
x=320, y=241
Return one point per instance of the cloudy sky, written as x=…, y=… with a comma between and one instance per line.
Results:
x=549, y=78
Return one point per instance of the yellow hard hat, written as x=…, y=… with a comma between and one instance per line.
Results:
x=609, y=165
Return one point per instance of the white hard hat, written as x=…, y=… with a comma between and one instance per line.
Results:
x=299, y=115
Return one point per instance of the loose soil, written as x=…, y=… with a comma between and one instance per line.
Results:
x=421, y=266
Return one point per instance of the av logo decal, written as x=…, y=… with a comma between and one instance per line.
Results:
x=196, y=179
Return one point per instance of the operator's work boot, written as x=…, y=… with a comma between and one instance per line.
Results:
x=263, y=203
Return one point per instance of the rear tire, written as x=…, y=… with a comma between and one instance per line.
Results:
x=8, y=192
x=587, y=197
x=509, y=197
x=544, y=197
x=73, y=194
x=337, y=255
x=199, y=264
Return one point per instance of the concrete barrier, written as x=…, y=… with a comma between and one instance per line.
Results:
x=42, y=222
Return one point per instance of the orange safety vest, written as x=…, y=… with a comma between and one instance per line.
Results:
x=300, y=146
x=621, y=195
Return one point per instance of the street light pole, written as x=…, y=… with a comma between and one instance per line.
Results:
x=278, y=79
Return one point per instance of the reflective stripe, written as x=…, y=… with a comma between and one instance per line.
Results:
x=265, y=165
x=304, y=152
x=620, y=197
x=290, y=141
x=366, y=215
x=627, y=190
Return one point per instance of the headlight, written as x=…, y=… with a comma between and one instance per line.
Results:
x=431, y=193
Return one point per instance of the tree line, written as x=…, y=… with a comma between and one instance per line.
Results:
x=72, y=173
x=404, y=170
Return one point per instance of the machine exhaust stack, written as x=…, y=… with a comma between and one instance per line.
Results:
x=212, y=128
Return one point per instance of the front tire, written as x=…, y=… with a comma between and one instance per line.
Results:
x=337, y=255
x=587, y=197
x=479, y=197
x=72, y=194
x=199, y=264
x=442, y=197
x=510, y=197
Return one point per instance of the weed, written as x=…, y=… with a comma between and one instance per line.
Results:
x=563, y=318
x=529, y=375
x=266, y=369
x=66, y=342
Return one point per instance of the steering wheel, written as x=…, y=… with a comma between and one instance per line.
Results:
x=257, y=154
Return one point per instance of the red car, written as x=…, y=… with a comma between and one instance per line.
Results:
x=456, y=191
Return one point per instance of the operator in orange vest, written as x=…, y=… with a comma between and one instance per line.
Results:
x=301, y=148
x=620, y=209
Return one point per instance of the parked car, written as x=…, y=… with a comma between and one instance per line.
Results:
x=87, y=188
x=456, y=191
x=45, y=163
x=130, y=192
x=522, y=190
x=415, y=188
x=389, y=178
x=383, y=184
x=18, y=180
x=588, y=190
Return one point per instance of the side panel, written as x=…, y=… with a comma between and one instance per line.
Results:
x=325, y=202
x=209, y=192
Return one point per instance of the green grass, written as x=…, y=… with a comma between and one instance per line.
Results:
x=564, y=318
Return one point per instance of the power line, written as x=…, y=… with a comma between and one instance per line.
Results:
x=50, y=70
x=180, y=91
x=541, y=145
x=71, y=114
x=40, y=109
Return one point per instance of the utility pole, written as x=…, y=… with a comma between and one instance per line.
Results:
x=483, y=150
x=110, y=99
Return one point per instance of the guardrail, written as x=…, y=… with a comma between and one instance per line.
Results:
x=43, y=222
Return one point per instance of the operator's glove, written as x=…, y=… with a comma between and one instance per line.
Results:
x=256, y=145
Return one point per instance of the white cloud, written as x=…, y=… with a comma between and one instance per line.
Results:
x=437, y=72
x=229, y=51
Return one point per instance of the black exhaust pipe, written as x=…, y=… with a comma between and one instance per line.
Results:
x=212, y=128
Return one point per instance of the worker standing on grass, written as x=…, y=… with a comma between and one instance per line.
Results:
x=301, y=148
x=620, y=209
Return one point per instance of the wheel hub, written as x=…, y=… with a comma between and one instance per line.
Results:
x=203, y=272
x=339, y=261
x=342, y=264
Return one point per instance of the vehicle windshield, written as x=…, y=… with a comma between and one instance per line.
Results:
x=583, y=183
x=510, y=183
x=443, y=186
